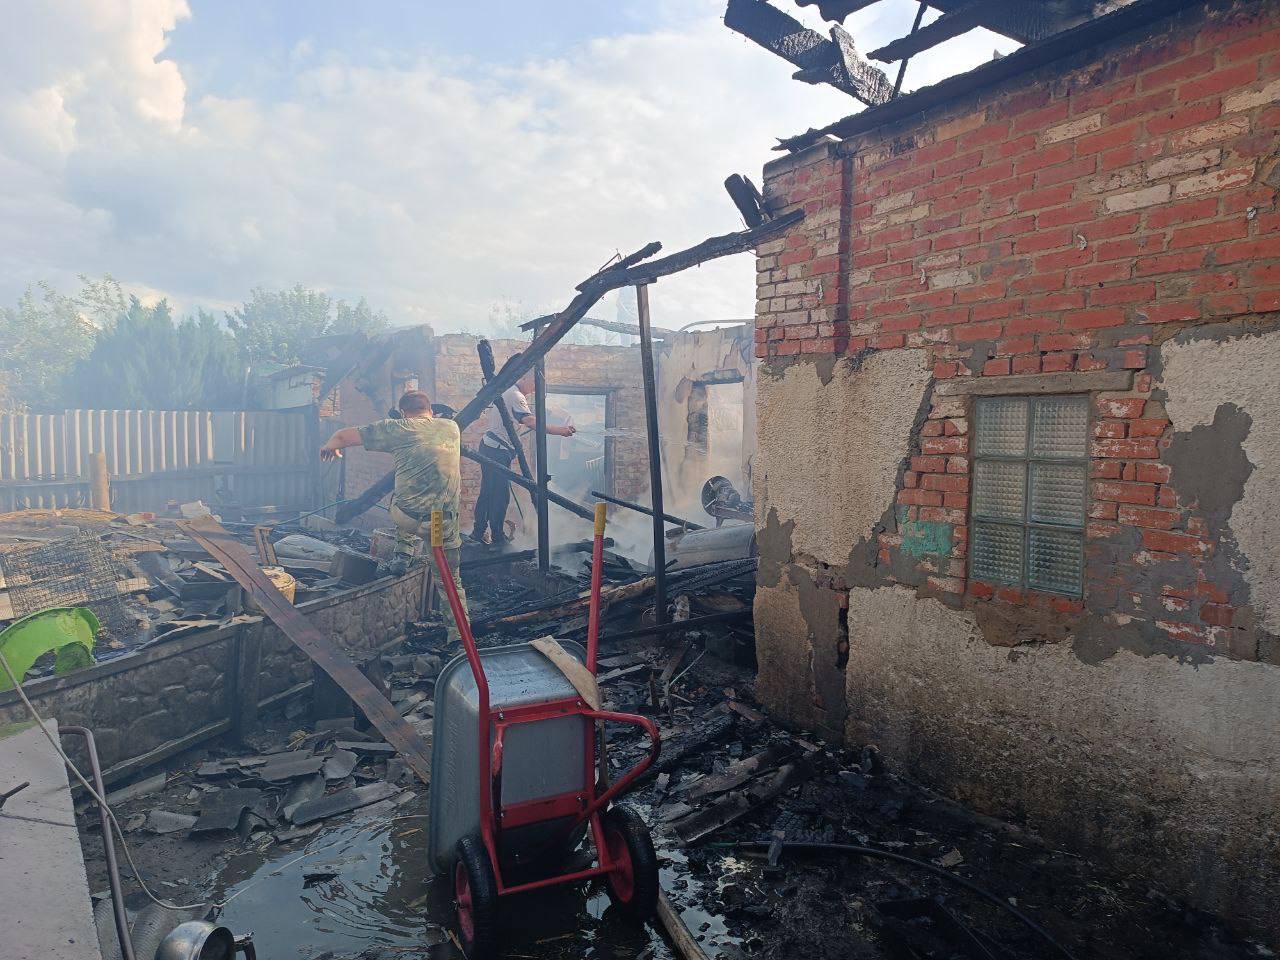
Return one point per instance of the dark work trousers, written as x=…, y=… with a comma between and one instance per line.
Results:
x=495, y=493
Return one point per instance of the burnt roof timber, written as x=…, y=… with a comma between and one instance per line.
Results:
x=1054, y=47
x=944, y=28
x=837, y=10
x=834, y=61
x=1021, y=20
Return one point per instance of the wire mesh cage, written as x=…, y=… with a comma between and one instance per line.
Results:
x=73, y=572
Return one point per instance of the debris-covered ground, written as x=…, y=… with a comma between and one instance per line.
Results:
x=313, y=835
x=147, y=582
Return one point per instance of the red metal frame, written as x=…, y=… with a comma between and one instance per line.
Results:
x=581, y=805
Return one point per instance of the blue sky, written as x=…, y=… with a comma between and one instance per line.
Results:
x=212, y=49
x=449, y=162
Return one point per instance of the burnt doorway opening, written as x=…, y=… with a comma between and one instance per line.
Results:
x=583, y=462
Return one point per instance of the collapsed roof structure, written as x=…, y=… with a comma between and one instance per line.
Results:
x=1049, y=29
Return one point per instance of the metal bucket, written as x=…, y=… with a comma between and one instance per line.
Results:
x=540, y=760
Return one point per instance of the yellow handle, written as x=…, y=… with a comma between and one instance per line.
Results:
x=600, y=511
x=437, y=529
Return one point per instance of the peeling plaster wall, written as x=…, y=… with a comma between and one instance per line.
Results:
x=1103, y=226
x=833, y=439
x=1205, y=380
x=1143, y=756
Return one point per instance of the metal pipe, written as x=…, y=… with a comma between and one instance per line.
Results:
x=551, y=496
x=655, y=453
x=108, y=843
x=669, y=517
x=902, y=67
x=540, y=444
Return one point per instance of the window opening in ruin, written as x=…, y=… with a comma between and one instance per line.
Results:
x=715, y=423
x=1030, y=480
x=697, y=417
x=583, y=462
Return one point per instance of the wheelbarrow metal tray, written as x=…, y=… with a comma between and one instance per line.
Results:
x=541, y=760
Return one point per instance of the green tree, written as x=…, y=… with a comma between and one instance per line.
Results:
x=41, y=341
x=146, y=360
x=274, y=324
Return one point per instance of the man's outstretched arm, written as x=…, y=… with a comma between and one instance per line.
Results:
x=341, y=439
x=527, y=420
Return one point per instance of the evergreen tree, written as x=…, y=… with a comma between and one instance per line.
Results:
x=274, y=324
x=41, y=341
x=146, y=361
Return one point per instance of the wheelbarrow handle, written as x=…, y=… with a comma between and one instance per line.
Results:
x=627, y=779
x=473, y=659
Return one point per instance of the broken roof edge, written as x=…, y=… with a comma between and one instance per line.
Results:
x=1028, y=58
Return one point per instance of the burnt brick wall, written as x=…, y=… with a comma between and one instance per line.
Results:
x=1072, y=221
x=588, y=366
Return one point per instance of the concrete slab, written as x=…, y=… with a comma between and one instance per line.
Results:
x=43, y=888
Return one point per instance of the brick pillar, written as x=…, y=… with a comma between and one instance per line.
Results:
x=801, y=306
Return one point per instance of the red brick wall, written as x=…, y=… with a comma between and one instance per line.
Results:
x=1071, y=220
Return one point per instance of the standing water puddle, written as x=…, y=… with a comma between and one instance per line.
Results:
x=363, y=884
x=363, y=889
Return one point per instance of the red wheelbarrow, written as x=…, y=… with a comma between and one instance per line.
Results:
x=517, y=780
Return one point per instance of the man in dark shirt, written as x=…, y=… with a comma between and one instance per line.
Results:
x=495, y=488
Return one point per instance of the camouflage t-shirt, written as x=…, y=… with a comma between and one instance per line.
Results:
x=427, y=474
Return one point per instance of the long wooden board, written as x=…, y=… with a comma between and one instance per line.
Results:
x=385, y=718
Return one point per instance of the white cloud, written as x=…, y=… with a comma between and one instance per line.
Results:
x=434, y=193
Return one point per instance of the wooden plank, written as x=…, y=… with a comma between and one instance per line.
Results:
x=236, y=559
x=582, y=679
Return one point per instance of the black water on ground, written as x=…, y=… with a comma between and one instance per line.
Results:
x=363, y=889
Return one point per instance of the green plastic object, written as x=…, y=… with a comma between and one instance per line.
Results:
x=67, y=630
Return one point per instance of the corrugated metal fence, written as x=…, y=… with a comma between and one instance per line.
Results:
x=252, y=458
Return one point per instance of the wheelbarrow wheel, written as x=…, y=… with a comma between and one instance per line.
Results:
x=633, y=886
x=475, y=893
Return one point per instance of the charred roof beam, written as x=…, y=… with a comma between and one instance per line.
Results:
x=837, y=10
x=948, y=25
x=1018, y=20
x=835, y=61
x=1023, y=20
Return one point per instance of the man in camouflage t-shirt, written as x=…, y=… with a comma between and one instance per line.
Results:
x=426, y=452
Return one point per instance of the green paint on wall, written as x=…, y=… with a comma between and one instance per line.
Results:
x=924, y=537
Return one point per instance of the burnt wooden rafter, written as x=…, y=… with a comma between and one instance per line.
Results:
x=835, y=61
x=837, y=10
x=948, y=25
x=636, y=268
x=1023, y=20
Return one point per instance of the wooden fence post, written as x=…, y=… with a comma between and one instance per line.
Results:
x=99, y=482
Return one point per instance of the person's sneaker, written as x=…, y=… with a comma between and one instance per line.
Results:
x=500, y=541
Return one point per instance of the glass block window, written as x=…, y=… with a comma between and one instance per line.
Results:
x=1030, y=476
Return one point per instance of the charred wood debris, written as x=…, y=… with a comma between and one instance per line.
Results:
x=776, y=845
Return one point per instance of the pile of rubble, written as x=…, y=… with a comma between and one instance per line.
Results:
x=147, y=582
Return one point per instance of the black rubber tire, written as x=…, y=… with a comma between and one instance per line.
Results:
x=643, y=901
x=484, y=942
